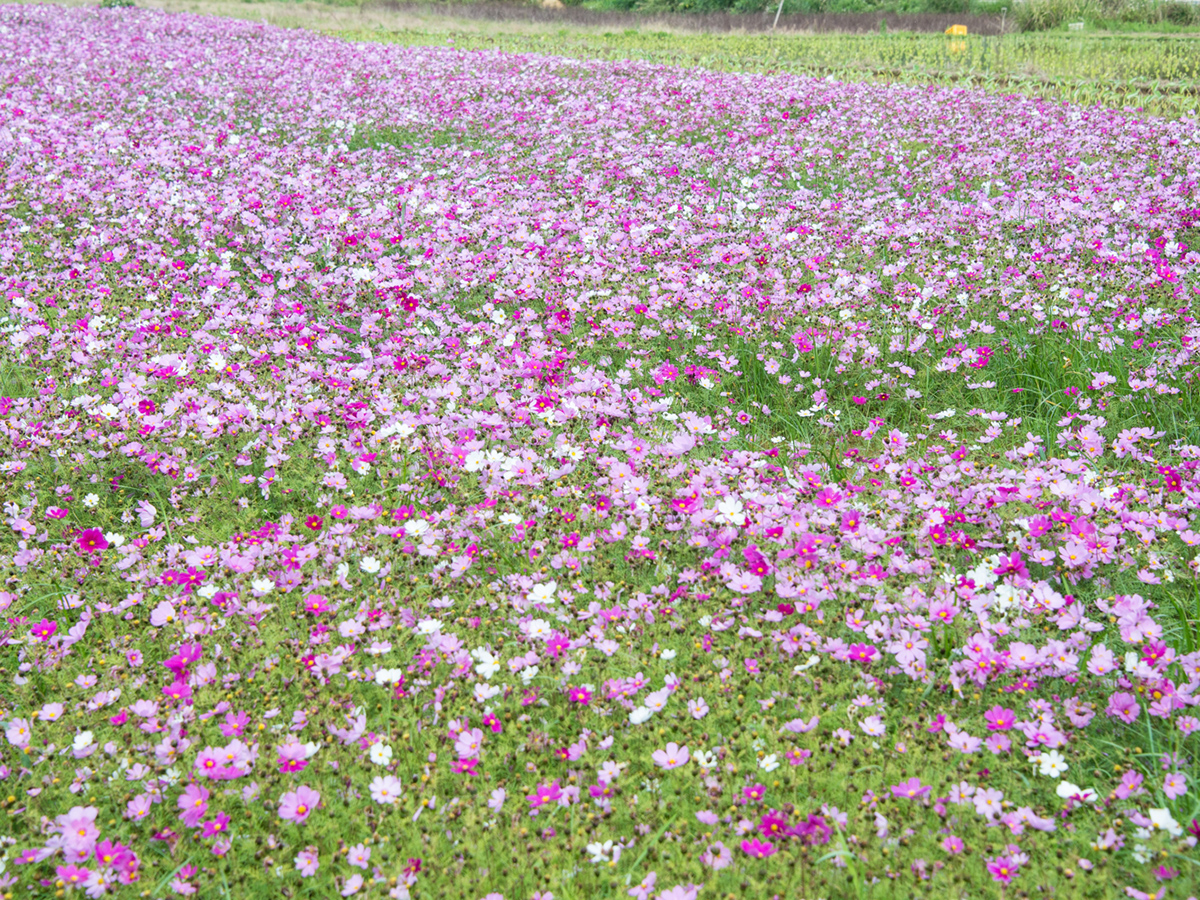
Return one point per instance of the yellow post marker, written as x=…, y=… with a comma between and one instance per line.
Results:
x=957, y=30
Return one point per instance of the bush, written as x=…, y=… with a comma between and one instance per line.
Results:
x=1181, y=13
x=115, y=4
x=949, y=6
x=1042, y=15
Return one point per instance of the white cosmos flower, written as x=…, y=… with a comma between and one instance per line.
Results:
x=667, y=655
x=263, y=585
x=416, y=527
x=769, y=763
x=484, y=691
x=529, y=673
x=730, y=511
x=536, y=628
x=381, y=754
x=543, y=593
x=388, y=676
x=429, y=626
x=705, y=759
x=369, y=564
x=1163, y=819
x=1051, y=764
x=599, y=852
x=640, y=715
x=808, y=664
x=486, y=665
x=91, y=501
x=1067, y=790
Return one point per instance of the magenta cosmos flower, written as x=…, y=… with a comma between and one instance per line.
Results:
x=544, y=795
x=862, y=653
x=1003, y=869
x=92, y=539
x=758, y=849
x=296, y=806
x=44, y=630
x=580, y=695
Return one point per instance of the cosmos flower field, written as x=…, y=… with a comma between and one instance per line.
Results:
x=431, y=473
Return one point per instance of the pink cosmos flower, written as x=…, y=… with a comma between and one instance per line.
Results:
x=219, y=824
x=773, y=824
x=799, y=726
x=999, y=719
x=386, y=789
x=110, y=855
x=468, y=743
x=1123, y=706
x=307, y=862
x=717, y=856
x=953, y=845
x=1131, y=785
x=296, y=806
x=72, y=876
x=208, y=762
x=544, y=795
x=193, y=804
x=1003, y=869
x=496, y=800
x=292, y=757
x=758, y=849
x=911, y=789
x=1175, y=785
x=753, y=793
x=862, y=653
x=643, y=889
x=797, y=755
x=315, y=604
x=672, y=757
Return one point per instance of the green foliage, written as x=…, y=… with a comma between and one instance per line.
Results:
x=399, y=138
x=116, y=4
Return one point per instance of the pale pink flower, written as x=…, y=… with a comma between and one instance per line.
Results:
x=296, y=806
x=671, y=758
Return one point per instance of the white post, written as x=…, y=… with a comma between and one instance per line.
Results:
x=777, y=12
